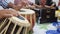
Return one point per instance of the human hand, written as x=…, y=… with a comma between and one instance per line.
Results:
x=47, y=6
x=8, y=13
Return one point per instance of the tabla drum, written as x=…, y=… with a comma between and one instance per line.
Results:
x=14, y=25
x=57, y=13
x=30, y=15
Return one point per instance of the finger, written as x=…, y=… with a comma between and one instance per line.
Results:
x=15, y=14
x=8, y=15
x=18, y=13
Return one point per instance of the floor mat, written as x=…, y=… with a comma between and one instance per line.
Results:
x=42, y=28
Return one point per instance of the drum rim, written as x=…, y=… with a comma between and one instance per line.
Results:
x=21, y=23
x=27, y=12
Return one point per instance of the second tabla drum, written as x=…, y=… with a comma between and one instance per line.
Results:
x=30, y=15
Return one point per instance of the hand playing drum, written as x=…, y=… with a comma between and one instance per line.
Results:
x=7, y=13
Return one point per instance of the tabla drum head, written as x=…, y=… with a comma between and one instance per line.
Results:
x=26, y=11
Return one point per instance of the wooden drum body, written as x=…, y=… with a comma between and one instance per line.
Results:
x=30, y=15
x=14, y=25
x=57, y=14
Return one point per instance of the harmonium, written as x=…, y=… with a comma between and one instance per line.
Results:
x=48, y=16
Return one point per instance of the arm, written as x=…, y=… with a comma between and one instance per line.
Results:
x=16, y=7
x=31, y=7
x=38, y=6
x=51, y=7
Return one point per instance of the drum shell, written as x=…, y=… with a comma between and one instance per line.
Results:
x=30, y=15
x=9, y=27
x=31, y=18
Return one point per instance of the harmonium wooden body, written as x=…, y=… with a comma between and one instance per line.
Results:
x=48, y=16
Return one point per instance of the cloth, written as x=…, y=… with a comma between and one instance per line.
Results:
x=43, y=2
x=16, y=1
x=37, y=2
x=4, y=3
x=33, y=1
x=59, y=3
x=1, y=8
x=49, y=2
x=56, y=1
